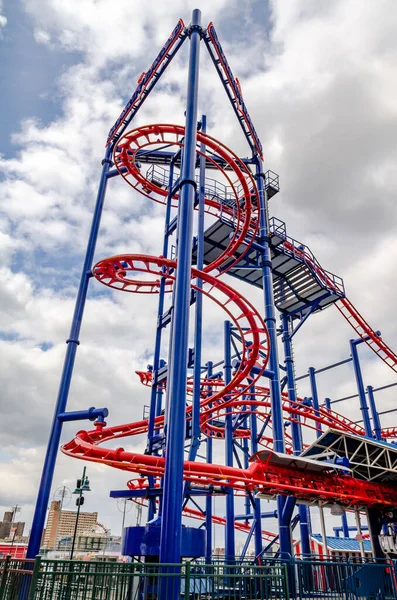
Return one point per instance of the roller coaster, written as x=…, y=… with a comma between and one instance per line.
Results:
x=192, y=404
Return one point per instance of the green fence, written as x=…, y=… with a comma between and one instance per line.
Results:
x=75, y=580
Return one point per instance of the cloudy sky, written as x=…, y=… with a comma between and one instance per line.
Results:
x=319, y=78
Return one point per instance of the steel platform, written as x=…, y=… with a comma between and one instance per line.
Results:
x=299, y=282
x=369, y=459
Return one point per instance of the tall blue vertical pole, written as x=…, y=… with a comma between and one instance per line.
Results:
x=230, y=548
x=254, y=450
x=374, y=413
x=296, y=429
x=270, y=320
x=208, y=500
x=170, y=539
x=316, y=403
x=270, y=312
x=72, y=343
x=195, y=443
x=360, y=386
x=157, y=345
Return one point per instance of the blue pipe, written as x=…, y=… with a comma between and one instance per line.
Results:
x=374, y=413
x=270, y=313
x=345, y=525
x=338, y=530
x=264, y=515
x=257, y=508
x=360, y=386
x=157, y=345
x=316, y=403
x=72, y=343
x=270, y=321
x=208, y=500
x=327, y=402
x=230, y=549
x=79, y=415
x=296, y=430
x=195, y=443
x=170, y=539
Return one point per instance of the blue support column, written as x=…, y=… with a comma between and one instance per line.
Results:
x=157, y=345
x=360, y=386
x=345, y=526
x=170, y=540
x=296, y=428
x=270, y=313
x=195, y=443
x=254, y=450
x=374, y=413
x=316, y=403
x=270, y=320
x=230, y=548
x=208, y=500
x=72, y=343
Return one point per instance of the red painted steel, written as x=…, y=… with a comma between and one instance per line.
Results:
x=119, y=272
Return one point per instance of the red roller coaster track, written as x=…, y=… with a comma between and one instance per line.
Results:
x=119, y=272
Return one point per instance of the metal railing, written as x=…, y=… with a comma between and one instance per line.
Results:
x=302, y=253
x=44, y=579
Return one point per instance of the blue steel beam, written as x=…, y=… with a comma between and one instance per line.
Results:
x=374, y=413
x=196, y=433
x=296, y=428
x=208, y=500
x=72, y=343
x=360, y=386
x=80, y=415
x=170, y=539
x=230, y=548
x=257, y=508
x=316, y=403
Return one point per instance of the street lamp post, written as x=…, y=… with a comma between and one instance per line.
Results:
x=82, y=485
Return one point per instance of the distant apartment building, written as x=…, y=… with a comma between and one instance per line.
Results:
x=61, y=524
x=9, y=529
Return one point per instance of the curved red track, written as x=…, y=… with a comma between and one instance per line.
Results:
x=119, y=272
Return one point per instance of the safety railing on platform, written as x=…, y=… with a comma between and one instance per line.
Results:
x=213, y=188
x=15, y=578
x=77, y=580
x=332, y=580
x=303, y=254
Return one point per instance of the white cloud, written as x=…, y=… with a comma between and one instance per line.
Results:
x=321, y=89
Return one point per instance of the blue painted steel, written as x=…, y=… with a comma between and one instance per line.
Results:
x=339, y=530
x=270, y=313
x=230, y=547
x=360, y=386
x=270, y=320
x=296, y=428
x=148, y=81
x=316, y=403
x=72, y=343
x=257, y=508
x=208, y=500
x=264, y=515
x=170, y=543
x=327, y=402
x=345, y=525
x=145, y=541
x=157, y=346
x=247, y=541
x=374, y=413
x=196, y=433
x=79, y=415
